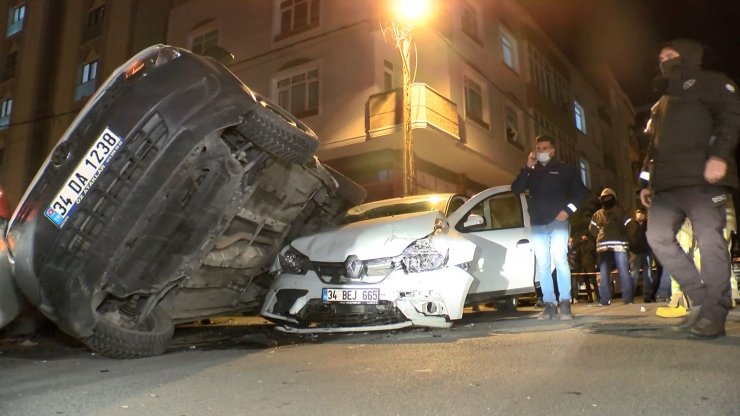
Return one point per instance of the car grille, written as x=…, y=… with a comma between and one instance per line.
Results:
x=101, y=203
x=336, y=273
x=338, y=315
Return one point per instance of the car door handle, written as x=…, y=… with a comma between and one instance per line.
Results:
x=522, y=241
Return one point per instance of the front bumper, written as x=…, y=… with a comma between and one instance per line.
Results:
x=428, y=299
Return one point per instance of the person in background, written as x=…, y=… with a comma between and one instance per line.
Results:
x=587, y=249
x=609, y=227
x=689, y=172
x=641, y=257
x=555, y=192
x=574, y=265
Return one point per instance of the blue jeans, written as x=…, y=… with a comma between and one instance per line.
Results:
x=664, y=287
x=607, y=260
x=644, y=262
x=550, y=244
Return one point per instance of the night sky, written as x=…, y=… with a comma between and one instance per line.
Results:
x=626, y=35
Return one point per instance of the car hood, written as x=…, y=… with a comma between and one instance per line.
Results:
x=371, y=239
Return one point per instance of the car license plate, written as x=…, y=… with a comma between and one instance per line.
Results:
x=371, y=296
x=77, y=185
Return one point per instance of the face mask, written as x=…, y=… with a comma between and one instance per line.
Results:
x=608, y=202
x=543, y=157
x=670, y=66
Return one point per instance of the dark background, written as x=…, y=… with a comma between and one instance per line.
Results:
x=626, y=35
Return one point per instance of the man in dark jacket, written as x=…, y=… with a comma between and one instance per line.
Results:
x=609, y=227
x=690, y=168
x=555, y=192
x=641, y=258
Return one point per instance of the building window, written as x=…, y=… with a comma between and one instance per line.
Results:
x=512, y=126
x=469, y=22
x=585, y=171
x=88, y=77
x=297, y=16
x=202, y=43
x=474, y=102
x=89, y=72
x=509, y=50
x=6, y=108
x=95, y=16
x=387, y=75
x=580, y=116
x=549, y=81
x=15, y=20
x=299, y=93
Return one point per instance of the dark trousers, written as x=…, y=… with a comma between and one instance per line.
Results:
x=705, y=207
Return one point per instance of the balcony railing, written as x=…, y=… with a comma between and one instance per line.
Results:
x=429, y=109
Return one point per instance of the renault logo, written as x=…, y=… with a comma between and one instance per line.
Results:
x=354, y=266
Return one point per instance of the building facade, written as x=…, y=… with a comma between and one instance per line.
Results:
x=54, y=55
x=486, y=81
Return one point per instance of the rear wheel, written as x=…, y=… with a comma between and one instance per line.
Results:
x=279, y=133
x=119, y=335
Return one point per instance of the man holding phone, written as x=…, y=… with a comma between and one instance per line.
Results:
x=554, y=193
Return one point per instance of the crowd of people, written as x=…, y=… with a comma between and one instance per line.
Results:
x=687, y=182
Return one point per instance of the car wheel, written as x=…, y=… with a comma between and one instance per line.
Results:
x=279, y=133
x=116, y=335
x=508, y=304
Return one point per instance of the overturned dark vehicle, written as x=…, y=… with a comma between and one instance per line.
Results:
x=166, y=201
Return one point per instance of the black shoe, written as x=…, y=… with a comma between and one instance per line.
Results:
x=565, y=314
x=689, y=320
x=548, y=313
x=706, y=329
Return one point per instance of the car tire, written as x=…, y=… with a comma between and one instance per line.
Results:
x=279, y=133
x=114, y=340
x=508, y=304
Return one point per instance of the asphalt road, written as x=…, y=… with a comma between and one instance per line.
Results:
x=614, y=360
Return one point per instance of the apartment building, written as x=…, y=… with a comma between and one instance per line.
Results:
x=54, y=55
x=487, y=81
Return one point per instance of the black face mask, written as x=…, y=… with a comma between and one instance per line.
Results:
x=671, y=66
x=608, y=202
x=660, y=85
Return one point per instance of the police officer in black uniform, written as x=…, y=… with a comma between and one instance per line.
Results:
x=690, y=169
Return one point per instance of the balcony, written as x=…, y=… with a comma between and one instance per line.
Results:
x=429, y=110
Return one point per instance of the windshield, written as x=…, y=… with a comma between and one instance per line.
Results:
x=363, y=213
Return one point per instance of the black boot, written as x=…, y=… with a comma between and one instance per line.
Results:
x=565, y=314
x=548, y=313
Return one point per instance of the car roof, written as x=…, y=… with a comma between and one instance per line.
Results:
x=400, y=200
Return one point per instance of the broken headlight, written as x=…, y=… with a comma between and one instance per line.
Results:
x=423, y=256
x=294, y=262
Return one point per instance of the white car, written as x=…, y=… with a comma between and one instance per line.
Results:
x=401, y=262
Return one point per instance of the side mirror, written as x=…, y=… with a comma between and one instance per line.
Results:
x=473, y=220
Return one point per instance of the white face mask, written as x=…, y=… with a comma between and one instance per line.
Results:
x=543, y=157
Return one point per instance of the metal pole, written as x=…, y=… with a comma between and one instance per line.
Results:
x=409, y=172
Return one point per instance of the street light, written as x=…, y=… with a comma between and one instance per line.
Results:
x=406, y=14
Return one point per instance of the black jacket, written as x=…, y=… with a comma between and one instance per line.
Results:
x=610, y=228
x=638, y=238
x=697, y=117
x=552, y=188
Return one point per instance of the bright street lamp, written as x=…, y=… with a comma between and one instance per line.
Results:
x=406, y=14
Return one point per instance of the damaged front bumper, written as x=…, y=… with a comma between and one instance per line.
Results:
x=427, y=299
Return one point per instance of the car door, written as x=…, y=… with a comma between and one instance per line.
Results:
x=504, y=261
